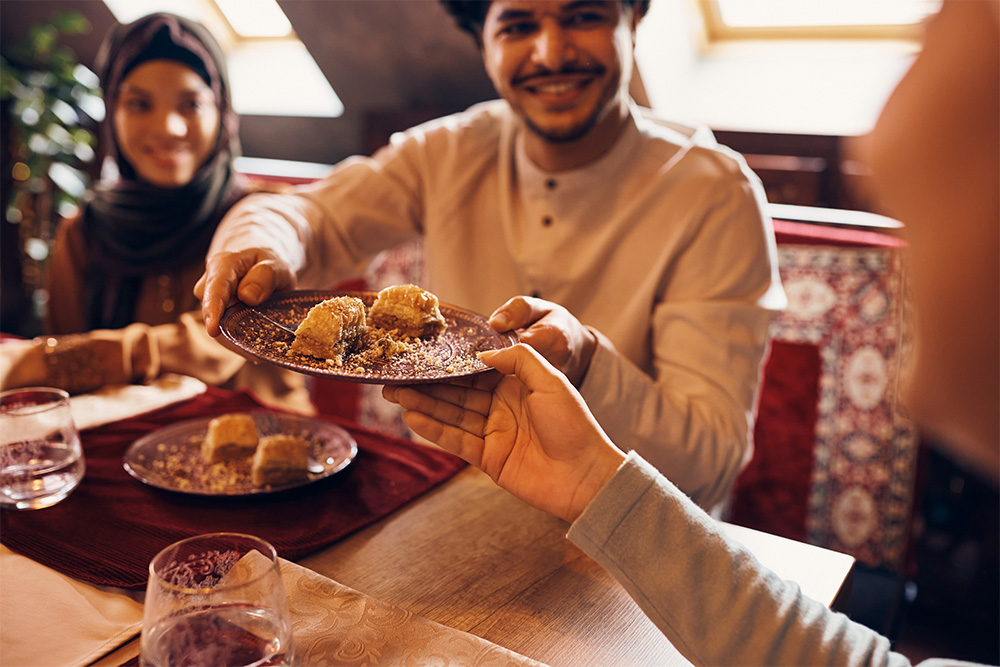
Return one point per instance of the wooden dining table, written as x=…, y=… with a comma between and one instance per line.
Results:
x=462, y=559
x=470, y=556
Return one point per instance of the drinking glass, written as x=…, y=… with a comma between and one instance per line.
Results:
x=41, y=460
x=216, y=599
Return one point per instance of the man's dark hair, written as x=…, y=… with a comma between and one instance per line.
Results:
x=470, y=15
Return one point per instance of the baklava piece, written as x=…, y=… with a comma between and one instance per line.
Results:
x=330, y=328
x=279, y=460
x=409, y=310
x=229, y=437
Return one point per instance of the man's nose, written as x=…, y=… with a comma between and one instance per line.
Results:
x=553, y=46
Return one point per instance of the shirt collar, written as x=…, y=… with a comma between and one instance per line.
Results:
x=538, y=182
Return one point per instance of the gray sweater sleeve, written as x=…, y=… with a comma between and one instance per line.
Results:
x=711, y=598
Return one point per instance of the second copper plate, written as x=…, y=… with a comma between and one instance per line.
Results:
x=170, y=458
x=450, y=355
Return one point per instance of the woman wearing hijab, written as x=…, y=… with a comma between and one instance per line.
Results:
x=121, y=307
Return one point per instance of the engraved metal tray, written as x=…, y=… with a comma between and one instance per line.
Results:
x=170, y=458
x=450, y=355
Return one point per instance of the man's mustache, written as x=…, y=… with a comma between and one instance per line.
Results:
x=543, y=73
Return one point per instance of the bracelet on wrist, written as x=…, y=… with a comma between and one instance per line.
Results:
x=70, y=364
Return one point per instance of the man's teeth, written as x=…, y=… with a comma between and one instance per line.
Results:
x=555, y=88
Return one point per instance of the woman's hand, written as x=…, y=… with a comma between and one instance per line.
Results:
x=525, y=426
x=252, y=275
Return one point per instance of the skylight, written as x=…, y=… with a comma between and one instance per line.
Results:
x=734, y=19
x=270, y=70
x=126, y=11
x=760, y=13
x=799, y=81
x=255, y=18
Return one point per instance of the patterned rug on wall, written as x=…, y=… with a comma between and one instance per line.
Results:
x=841, y=340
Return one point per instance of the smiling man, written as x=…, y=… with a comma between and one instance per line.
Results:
x=632, y=253
x=564, y=68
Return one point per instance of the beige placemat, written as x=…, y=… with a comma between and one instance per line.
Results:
x=336, y=625
x=48, y=619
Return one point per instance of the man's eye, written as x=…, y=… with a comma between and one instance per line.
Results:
x=585, y=19
x=516, y=29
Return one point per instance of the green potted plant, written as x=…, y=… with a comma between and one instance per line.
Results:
x=53, y=106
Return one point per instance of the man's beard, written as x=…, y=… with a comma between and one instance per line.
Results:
x=566, y=135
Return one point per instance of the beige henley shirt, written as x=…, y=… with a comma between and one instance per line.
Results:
x=661, y=245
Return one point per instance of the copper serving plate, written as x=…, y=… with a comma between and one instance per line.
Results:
x=170, y=458
x=256, y=331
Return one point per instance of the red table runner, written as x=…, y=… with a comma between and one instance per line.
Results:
x=111, y=526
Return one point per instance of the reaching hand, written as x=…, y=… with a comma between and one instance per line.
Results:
x=550, y=329
x=251, y=274
x=526, y=427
